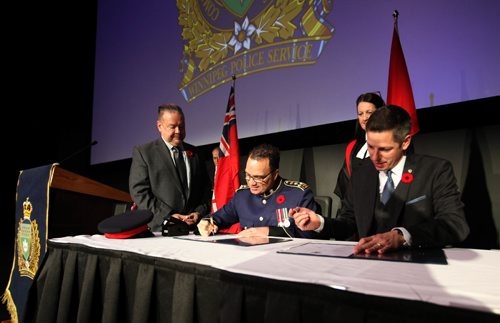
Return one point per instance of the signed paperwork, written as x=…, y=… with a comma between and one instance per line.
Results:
x=317, y=248
x=321, y=249
x=235, y=239
x=423, y=256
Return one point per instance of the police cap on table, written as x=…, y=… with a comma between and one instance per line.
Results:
x=128, y=225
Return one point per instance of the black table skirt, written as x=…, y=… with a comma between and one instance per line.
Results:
x=82, y=284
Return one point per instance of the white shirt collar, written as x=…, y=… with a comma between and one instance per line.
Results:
x=169, y=145
x=397, y=172
x=363, y=152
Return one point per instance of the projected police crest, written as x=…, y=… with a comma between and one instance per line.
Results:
x=240, y=37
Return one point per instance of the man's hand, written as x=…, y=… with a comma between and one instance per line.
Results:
x=207, y=227
x=190, y=219
x=305, y=219
x=380, y=243
x=254, y=240
x=255, y=232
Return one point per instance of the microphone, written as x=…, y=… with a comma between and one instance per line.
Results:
x=79, y=151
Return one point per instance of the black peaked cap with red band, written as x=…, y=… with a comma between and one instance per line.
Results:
x=128, y=225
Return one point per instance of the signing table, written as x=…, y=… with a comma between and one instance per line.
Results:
x=164, y=279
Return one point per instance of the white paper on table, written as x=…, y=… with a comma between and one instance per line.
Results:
x=320, y=249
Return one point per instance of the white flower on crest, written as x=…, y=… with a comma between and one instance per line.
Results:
x=242, y=34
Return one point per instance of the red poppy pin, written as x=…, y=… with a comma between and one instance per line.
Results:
x=189, y=153
x=407, y=178
x=280, y=199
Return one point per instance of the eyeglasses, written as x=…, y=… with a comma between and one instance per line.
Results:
x=257, y=179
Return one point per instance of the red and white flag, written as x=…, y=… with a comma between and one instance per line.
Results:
x=399, y=90
x=226, y=175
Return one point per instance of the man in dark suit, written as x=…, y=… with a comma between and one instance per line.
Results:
x=396, y=200
x=167, y=176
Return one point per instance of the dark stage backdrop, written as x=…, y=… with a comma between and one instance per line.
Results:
x=296, y=68
x=48, y=117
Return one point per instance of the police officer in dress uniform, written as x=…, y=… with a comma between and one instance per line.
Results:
x=261, y=207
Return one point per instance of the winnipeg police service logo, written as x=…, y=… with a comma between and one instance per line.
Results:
x=28, y=242
x=223, y=38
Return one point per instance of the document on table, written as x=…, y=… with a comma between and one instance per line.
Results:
x=210, y=238
x=235, y=239
x=422, y=256
x=320, y=249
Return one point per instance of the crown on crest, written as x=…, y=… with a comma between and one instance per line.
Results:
x=27, y=208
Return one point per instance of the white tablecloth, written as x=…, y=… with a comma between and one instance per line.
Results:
x=470, y=280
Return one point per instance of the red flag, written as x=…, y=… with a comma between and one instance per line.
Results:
x=399, y=91
x=228, y=166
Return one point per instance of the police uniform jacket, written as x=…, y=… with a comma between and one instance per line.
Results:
x=264, y=210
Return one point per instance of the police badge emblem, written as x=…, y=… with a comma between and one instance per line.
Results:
x=223, y=38
x=28, y=242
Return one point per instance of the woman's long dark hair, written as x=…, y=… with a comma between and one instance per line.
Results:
x=373, y=98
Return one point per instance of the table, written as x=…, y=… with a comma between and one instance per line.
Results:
x=164, y=279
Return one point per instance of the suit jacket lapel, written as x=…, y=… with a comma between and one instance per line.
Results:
x=367, y=183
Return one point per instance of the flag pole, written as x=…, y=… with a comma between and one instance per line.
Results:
x=399, y=91
x=234, y=81
x=395, y=14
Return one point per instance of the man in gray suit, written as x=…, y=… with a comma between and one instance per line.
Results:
x=167, y=176
x=397, y=200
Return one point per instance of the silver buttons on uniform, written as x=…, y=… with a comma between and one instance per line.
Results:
x=261, y=219
x=264, y=202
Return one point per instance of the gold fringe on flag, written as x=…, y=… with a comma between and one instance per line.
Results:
x=11, y=306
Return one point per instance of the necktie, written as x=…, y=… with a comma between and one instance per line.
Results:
x=388, y=188
x=180, y=165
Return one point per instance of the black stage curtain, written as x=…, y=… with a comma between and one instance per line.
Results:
x=83, y=284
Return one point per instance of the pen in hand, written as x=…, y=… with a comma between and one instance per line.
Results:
x=212, y=223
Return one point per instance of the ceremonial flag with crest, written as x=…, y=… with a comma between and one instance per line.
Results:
x=226, y=174
x=399, y=90
x=32, y=217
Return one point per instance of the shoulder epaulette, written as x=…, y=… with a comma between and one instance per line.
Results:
x=302, y=186
x=242, y=187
